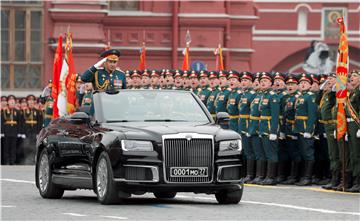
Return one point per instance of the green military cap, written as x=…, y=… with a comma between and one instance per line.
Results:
x=185, y=74
x=223, y=73
x=247, y=75
x=291, y=79
x=11, y=97
x=213, y=74
x=30, y=97
x=23, y=100
x=280, y=76
x=194, y=74
x=204, y=73
x=178, y=73
x=146, y=73
x=155, y=73
x=332, y=74
x=305, y=77
x=233, y=74
x=266, y=75
x=136, y=73
x=3, y=98
x=127, y=73
x=357, y=72
x=323, y=78
x=111, y=54
x=315, y=78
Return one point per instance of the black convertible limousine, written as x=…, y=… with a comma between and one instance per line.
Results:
x=138, y=141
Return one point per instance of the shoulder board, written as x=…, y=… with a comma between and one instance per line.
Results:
x=272, y=92
x=310, y=93
x=210, y=89
x=199, y=89
x=252, y=92
x=284, y=93
x=229, y=89
x=239, y=91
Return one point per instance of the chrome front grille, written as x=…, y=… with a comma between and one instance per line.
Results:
x=189, y=151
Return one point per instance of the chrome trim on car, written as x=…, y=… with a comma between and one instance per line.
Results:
x=154, y=170
x=188, y=136
x=226, y=166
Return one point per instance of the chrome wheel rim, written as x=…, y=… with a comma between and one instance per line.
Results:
x=44, y=172
x=102, y=178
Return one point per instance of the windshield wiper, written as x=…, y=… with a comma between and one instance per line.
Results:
x=164, y=120
x=116, y=121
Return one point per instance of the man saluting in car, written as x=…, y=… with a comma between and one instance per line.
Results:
x=104, y=75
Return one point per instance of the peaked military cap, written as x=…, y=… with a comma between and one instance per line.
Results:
x=111, y=54
x=213, y=74
x=247, y=75
x=233, y=74
x=155, y=73
x=136, y=73
x=223, y=74
x=315, y=78
x=178, y=73
x=194, y=74
x=290, y=78
x=266, y=75
x=305, y=77
x=204, y=73
x=30, y=97
x=278, y=75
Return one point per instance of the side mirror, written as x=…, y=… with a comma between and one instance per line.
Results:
x=80, y=117
x=222, y=119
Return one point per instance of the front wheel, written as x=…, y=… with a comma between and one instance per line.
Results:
x=229, y=196
x=47, y=188
x=106, y=190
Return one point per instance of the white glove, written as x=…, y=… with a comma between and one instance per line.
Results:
x=335, y=134
x=100, y=63
x=358, y=134
x=272, y=137
x=282, y=135
x=248, y=135
x=307, y=135
x=23, y=136
x=82, y=89
x=2, y=135
x=324, y=134
x=19, y=135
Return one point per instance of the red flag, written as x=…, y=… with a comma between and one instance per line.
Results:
x=71, y=77
x=142, y=65
x=219, y=59
x=342, y=67
x=186, y=65
x=56, y=76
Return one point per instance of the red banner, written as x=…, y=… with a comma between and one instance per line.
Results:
x=185, y=65
x=341, y=80
x=71, y=77
x=142, y=65
x=56, y=77
x=219, y=59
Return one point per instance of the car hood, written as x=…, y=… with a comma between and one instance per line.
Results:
x=154, y=130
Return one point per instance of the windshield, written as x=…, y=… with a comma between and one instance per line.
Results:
x=152, y=106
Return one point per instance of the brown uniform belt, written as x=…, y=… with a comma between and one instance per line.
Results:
x=11, y=122
x=301, y=117
x=265, y=117
x=290, y=121
x=234, y=116
x=254, y=118
x=31, y=122
x=244, y=116
x=327, y=121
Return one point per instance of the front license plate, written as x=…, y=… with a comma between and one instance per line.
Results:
x=189, y=172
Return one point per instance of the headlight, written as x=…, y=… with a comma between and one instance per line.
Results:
x=136, y=145
x=230, y=147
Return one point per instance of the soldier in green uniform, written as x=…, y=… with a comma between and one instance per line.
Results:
x=279, y=87
x=352, y=115
x=12, y=129
x=327, y=106
x=136, y=79
x=222, y=98
x=169, y=79
x=145, y=79
x=178, y=80
x=321, y=166
x=246, y=97
x=187, y=84
x=269, y=127
x=305, y=119
x=155, y=79
x=194, y=81
x=291, y=148
x=205, y=90
x=215, y=90
x=128, y=79
x=233, y=100
x=253, y=132
x=107, y=77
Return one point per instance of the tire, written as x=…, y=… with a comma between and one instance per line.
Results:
x=105, y=187
x=229, y=196
x=47, y=188
x=165, y=195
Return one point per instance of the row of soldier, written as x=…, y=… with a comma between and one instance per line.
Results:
x=21, y=120
x=287, y=122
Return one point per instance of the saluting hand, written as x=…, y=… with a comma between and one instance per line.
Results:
x=100, y=63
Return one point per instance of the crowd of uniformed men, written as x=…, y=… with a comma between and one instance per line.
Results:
x=287, y=121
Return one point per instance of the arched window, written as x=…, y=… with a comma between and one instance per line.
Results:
x=302, y=20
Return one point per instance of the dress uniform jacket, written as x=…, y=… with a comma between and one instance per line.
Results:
x=232, y=109
x=210, y=103
x=103, y=80
x=204, y=94
x=245, y=101
x=221, y=100
x=306, y=113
